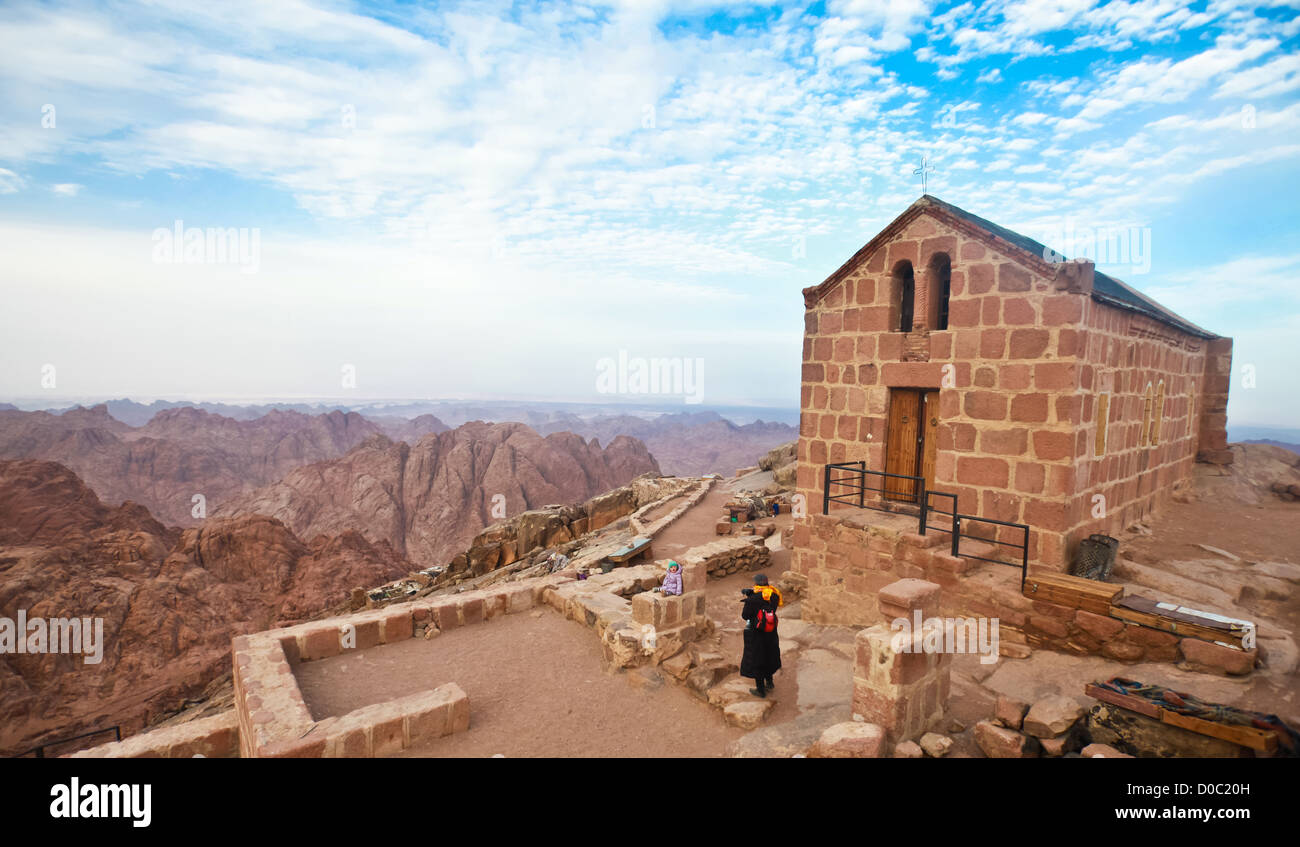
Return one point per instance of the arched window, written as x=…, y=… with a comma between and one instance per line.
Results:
x=939, y=276
x=904, y=294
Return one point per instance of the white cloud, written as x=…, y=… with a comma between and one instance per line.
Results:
x=66, y=189
x=10, y=182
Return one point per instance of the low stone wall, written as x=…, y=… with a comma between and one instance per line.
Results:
x=730, y=555
x=275, y=722
x=841, y=562
x=657, y=526
x=216, y=737
x=636, y=625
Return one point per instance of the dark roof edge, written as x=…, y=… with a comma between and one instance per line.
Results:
x=1113, y=292
x=1160, y=317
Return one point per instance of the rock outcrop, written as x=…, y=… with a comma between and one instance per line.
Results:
x=183, y=452
x=170, y=599
x=428, y=500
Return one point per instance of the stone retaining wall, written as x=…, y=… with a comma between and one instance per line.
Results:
x=730, y=555
x=843, y=561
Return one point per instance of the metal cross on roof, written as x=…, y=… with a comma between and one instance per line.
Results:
x=923, y=172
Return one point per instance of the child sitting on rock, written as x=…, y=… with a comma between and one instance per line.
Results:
x=672, y=583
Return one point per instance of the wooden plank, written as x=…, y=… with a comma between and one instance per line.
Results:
x=1072, y=592
x=1204, y=633
x=631, y=551
x=1127, y=701
x=1245, y=736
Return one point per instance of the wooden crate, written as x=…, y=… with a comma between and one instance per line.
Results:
x=1073, y=592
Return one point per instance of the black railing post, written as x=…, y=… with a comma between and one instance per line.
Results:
x=862, y=485
x=925, y=502
x=956, y=529
x=826, y=491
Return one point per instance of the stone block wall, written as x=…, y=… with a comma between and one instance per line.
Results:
x=730, y=555
x=1156, y=390
x=846, y=562
x=896, y=685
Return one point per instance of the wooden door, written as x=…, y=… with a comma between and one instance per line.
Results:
x=902, y=441
x=929, y=434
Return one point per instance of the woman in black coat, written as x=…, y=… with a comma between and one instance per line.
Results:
x=762, y=656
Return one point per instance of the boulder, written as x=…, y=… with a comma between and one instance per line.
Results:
x=1010, y=712
x=909, y=750
x=1052, y=716
x=998, y=742
x=747, y=714
x=935, y=745
x=850, y=740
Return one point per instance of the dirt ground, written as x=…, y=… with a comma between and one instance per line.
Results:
x=536, y=688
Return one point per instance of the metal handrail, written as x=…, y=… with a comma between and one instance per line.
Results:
x=39, y=750
x=1023, y=546
x=927, y=510
x=859, y=473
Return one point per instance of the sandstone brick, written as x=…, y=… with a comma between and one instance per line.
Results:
x=1206, y=656
x=1029, y=343
x=1097, y=625
x=1029, y=408
x=983, y=472
x=980, y=278
x=1004, y=442
x=986, y=405
x=900, y=598
x=1012, y=277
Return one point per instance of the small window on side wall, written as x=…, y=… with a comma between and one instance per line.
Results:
x=1144, y=437
x=1103, y=417
x=1158, y=414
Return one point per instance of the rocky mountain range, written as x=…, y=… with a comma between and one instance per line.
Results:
x=429, y=499
x=183, y=452
x=688, y=443
x=170, y=599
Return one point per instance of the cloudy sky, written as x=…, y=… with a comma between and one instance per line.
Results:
x=490, y=198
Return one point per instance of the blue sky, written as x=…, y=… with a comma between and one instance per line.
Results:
x=490, y=198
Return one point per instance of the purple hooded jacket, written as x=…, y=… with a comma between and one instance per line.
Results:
x=672, y=581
